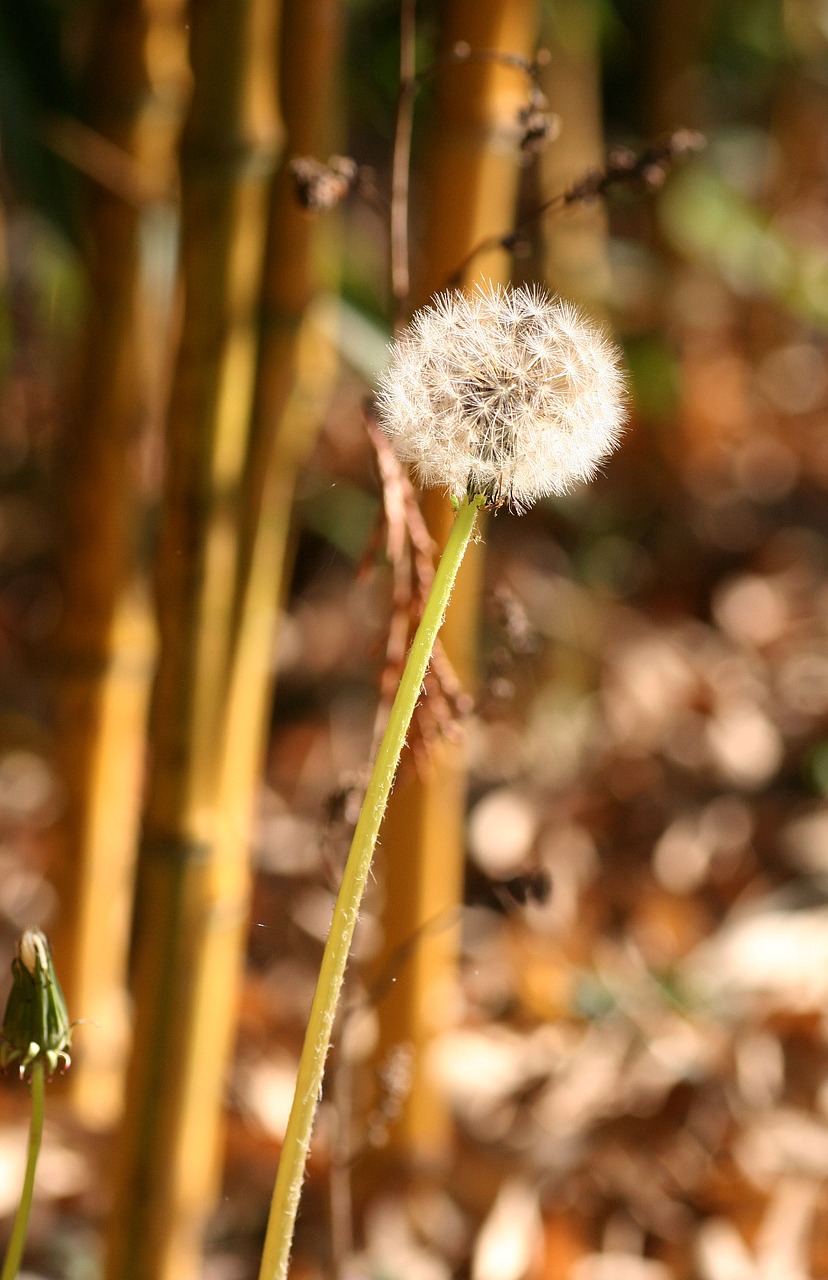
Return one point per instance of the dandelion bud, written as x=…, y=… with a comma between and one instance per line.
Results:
x=505, y=393
x=35, y=1023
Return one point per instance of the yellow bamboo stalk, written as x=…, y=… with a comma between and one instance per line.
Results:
x=136, y=86
x=294, y=375
x=193, y=883
x=471, y=187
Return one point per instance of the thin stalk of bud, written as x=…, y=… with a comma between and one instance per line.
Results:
x=17, y=1242
x=35, y=1040
x=296, y=1145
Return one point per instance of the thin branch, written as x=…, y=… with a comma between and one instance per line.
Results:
x=624, y=167
x=401, y=164
x=102, y=160
x=463, y=55
x=320, y=187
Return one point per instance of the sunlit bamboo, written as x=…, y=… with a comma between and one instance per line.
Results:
x=135, y=86
x=193, y=884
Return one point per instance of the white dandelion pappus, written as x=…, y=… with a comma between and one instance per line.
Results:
x=502, y=392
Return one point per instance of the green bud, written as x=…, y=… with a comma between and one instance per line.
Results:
x=36, y=1024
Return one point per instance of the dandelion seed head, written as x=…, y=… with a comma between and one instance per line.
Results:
x=503, y=392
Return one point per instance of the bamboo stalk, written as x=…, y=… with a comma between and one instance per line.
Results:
x=295, y=365
x=193, y=884
x=471, y=186
x=105, y=648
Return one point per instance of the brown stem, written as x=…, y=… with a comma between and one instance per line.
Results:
x=464, y=57
x=647, y=168
x=401, y=165
x=506, y=239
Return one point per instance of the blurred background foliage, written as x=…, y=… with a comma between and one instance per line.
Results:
x=590, y=1041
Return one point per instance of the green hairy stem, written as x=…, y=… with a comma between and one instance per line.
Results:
x=296, y=1147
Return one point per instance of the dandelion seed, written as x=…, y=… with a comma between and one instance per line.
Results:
x=502, y=392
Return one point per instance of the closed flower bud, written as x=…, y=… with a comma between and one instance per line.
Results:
x=506, y=393
x=35, y=1024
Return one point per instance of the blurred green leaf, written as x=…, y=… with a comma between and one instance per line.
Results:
x=655, y=375
x=707, y=221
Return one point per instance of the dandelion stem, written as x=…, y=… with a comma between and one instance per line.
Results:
x=296, y=1146
x=14, y=1255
